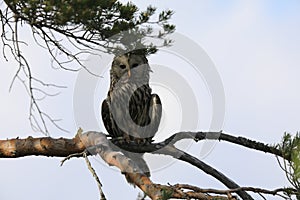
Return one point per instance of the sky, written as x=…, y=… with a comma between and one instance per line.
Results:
x=253, y=47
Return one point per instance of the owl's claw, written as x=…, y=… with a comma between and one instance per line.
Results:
x=127, y=139
x=117, y=140
x=122, y=139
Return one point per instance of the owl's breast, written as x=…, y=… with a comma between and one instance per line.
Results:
x=130, y=105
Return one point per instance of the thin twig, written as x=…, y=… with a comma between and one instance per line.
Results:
x=235, y=190
x=85, y=155
x=92, y=170
x=81, y=154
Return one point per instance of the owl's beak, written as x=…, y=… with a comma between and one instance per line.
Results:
x=129, y=73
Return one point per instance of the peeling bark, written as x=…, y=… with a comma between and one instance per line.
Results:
x=43, y=146
x=97, y=143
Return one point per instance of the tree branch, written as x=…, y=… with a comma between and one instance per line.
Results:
x=132, y=172
x=224, y=137
x=183, y=156
x=198, y=136
x=43, y=146
x=97, y=143
x=62, y=147
x=250, y=189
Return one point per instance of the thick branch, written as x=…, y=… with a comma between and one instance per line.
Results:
x=198, y=136
x=133, y=173
x=181, y=155
x=97, y=142
x=62, y=147
x=43, y=146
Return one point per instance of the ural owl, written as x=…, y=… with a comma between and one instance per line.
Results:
x=130, y=112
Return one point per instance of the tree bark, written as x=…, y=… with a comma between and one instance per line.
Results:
x=97, y=143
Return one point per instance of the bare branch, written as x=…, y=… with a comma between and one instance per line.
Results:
x=133, y=173
x=85, y=155
x=39, y=120
x=97, y=143
x=181, y=155
x=198, y=136
x=277, y=192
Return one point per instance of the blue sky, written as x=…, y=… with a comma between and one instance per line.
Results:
x=255, y=47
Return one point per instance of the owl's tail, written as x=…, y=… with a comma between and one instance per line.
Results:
x=138, y=159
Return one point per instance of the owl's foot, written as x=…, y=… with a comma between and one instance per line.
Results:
x=118, y=140
x=128, y=139
x=140, y=141
x=125, y=139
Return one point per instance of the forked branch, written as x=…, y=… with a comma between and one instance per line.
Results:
x=97, y=143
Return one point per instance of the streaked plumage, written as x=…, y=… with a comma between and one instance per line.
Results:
x=131, y=113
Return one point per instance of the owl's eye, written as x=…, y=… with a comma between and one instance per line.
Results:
x=134, y=65
x=122, y=66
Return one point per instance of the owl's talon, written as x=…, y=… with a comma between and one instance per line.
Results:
x=126, y=138
x=118, y=140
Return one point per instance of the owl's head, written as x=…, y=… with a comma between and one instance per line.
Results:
x=130, y=67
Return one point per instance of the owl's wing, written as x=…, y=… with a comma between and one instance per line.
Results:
x=113, y=131
x=155, y=111
x=107, y=119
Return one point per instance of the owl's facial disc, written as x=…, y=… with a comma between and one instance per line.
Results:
x=122, y=66
x=134, y=65
x=130, y=67
x=125, y=69
x=123, y=73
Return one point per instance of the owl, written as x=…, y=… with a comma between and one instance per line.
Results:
x=131, y=113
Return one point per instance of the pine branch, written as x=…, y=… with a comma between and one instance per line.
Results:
x=183, y=156
x=62, y=147
x=97, y=143
x=133, y=173
x=199, y=136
